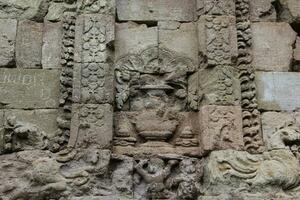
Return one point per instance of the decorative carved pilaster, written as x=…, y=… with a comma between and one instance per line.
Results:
x=251, y=116
x=66, y=80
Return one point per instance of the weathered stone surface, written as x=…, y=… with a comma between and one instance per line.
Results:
x=296, y=64
x=91, y=126
x=221, y=127
x=262, y=10
x=272, y=46
x=24, y=9
x=87, y=89
x=279, y=129
x=177, y=134
x=96, y=7
x=182, y=40
x=155, y=10
x=28, y=130
x=52, y=45
x=32, y=175
x=219, y=86
x=29, y=88
x=228, y=169
x=29, y=44
x=93, y=76
x=94, y=34
x=8, y=34
x=217, y=39
x=43, y=119
x=132, y=38
x=219, y=7
x=278, y=90
x=289, y=11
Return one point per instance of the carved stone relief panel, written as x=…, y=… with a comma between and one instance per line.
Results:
x=168, y=177
x=91, y=126
x=93, y=74
x=216, y=7
x=156, y=131
x=221, y=127
x=217, y=39
x=219, y=86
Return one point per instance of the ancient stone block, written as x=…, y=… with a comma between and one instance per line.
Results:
x=182, y=40
x=289, y=11
x=263, y=171
x=93, y=76
x=219, y=7
x=221, y=127
x=280, y=129
x=1, y=131
x=93, y=83
x=91, y=126
x=24, y=9
x=25, y=129
x=94, y=33
x=96, y=7
x=262, y=10
x=8, y=33
x=296, y=63
x=52, y=45
x=155, y=132
x=278, y=90
x=217, y=39
x=272, y=46
x=218, y=86
x=132, y=38
x=155, y=10
x=29, y=88
x=29, y=44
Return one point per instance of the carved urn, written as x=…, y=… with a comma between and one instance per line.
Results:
x=155, y=129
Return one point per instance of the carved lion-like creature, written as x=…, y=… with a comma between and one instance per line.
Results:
x=277, y=167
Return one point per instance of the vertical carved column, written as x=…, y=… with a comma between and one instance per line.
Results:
x=66, y=80
x=93, y=82
x=251, y=115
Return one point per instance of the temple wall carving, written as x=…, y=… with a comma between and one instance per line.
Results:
x=149, y=99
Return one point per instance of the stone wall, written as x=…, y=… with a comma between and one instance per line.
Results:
x=149, y=99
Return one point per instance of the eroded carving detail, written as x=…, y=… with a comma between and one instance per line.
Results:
x=66, y=82
x=218, y=41
x=22, y=136
x=168, y=178
x=140, y=75
x=251, y=115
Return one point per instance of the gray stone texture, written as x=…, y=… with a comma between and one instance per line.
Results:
x=221, y=7
x=24, y=9
x=29, y=88
x=273, y=122
x=290, y=11
x=155, y=10
x=217, y=39
x=91, y=126
x=278, y=90
x=182, y=40
x=29, y=44
x=262, y=10
x=132, y=38
x=8, y=34
x=296, y=61
x=44, y=119
x=52, y=45
x=272, y=46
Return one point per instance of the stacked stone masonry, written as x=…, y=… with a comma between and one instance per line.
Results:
x=149, y=99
